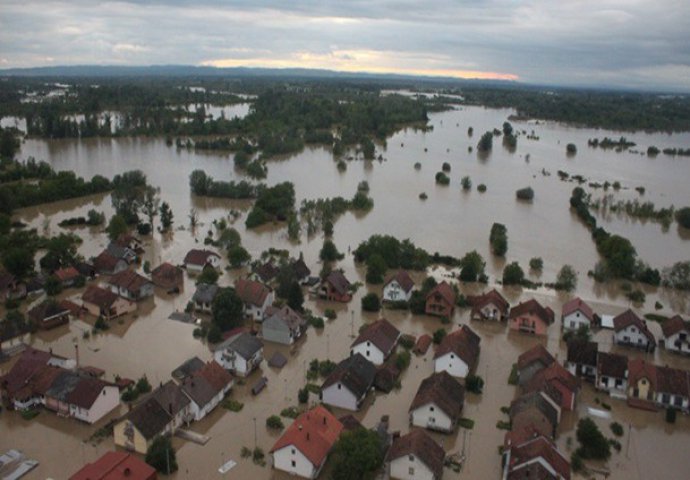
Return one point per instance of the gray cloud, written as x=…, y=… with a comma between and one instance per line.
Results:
x=639, y=43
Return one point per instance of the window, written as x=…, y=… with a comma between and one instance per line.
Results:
x=665, y=398
x=367, y=353
x=410, y=458
x=678, y=401
x=339, y=386
x=431, y=409
x=410, y=471
x=293, y=451
x=294, y=464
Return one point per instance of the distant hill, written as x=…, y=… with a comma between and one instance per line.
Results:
x=102, y=71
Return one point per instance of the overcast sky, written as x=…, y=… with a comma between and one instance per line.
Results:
x=626, y=43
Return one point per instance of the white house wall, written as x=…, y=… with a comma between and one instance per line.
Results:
x=369, y=351
x=339, y=397
x=405, y=469
x=432, y=417
x=283, y=460
x=452, y=364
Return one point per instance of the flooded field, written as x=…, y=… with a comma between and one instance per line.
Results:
x=450, y=221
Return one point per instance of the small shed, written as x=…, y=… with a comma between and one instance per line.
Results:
x=277, y=360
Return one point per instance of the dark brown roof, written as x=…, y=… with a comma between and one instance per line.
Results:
x=166, y=274
x=674, y=325
x=150, y=418
x=612, y=365
x=673, y=381
x=464, y=343
x=492, y=297
x=300, y=269
x=350, y=423
x=171, y=398
x=539, y=447
x=403, y=279
x=442, y=390
x=537, y=401
x=554, y=373
x=382, y=334
x=532, y=307
x=29, y=363
x=199, y=257
x=99, y=296
x=204, y=384
x=639, y=369
x=251, y=292
x=628, y=318
x=86, y=391
x=356, y=373
x=129, y=280
x=422, y=446
x=105, y=262
x=423, y=344
x=47, y=308
x=538, y=353
x=338, y=281
x=583, y=352
x=267, y=272
x=445, y=291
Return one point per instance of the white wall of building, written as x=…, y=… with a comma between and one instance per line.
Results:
x=290, y=459
x=432, y=417
x=574, y=320
x=410, y=467
x=631, y=335
x=338, y=395
x=393, y=292
x=452, y=364
x=107, y=400
x=369, y=351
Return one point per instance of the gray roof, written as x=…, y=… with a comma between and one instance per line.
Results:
x=171, y=397
x=278, y=360
x=355, y=372
x=244, y=344
x=205, y=293
x=63, y=385
x=150, y=418
x=187, y=368
x=286, y=316
x=118, y=251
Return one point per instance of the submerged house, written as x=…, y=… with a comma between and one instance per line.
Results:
x=347, y=386
x=256, y=297
x=415, y=456
x=629, y=330
x=531, y=317
x=167, y=276
x=438, y=403
x=130, y=285
x=196, y=260
x=676, y=333
x=282, y=325
x=335, y=287
x=577, y=314
x=490, y=306
x=376, y=342
x=206, y=388
x=203, y=297
x=101, y=302
x=241, y=354
x=440, y=301
x=458, y=353
x=398, y=288
x=49, y=314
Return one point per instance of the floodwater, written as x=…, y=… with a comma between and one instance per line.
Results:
x=450, y=221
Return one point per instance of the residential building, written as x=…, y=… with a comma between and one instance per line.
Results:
x=67, y=276
x=612, y=374
x=556, y=377
x=123, y=252
x=203, y=297
x=347, y=386
x=440, y=301
x=256, y=297
x=116, y=466
x=630, y=330
x=458, y=353
x=304, y=447
x=335, y=287
x=49, y=314
x=535, y=411
x=438, y=403
x=167, y=276
x=101, y=302
x=490, y=306
x=676, y=333
x=398, y=288
x=11, y=288
x=581, y=360
x=196, y=260
x=187, y=368
x=240, y=354
x=137, y=430
x=300, y=270
x=415, y=456
x=577, y=313
x=108, y=264
x=376, y=342
x=206, y=388
x=282, y=325
x=672, y=388
x=266, y=272
x=642, y=383
x=130, y=285
x=531, y=361
x=531, y=455
x=531, y=317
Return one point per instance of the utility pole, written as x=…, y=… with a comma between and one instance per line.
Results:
x=255, y=443
x=167, y=460
x=352, y=323
x=627, y=446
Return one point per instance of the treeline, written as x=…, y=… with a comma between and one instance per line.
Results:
x=612, y=110
x=13, y=170
x=323, y=212
x=619, y=257
x=205, y=186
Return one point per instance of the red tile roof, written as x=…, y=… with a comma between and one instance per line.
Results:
x=86, y=392
x=536, y=353
x=532, y=307
x=339, y=282
x=66, y=274
x=313, y=433
x=99, y=296
x=403, y=279
x=199, y=257
x=464, y=343
x=129, y=280
x=105, y=262
x=639, y=369
x=542, y=448
x=382, y=334
x=554, y=373
x=166, y=275
x=29, y=363
x=422, y=446
x=445, y=291
x=673, y=381
x=251, y=292
x=578, y=304
x=628, y=318
x=674, y=325
x=423, y=344
x=116, y=466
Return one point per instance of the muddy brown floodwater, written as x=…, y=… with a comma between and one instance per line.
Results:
x=449, y=221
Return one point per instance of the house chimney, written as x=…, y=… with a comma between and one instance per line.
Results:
x=324, y=420
x=76, y=352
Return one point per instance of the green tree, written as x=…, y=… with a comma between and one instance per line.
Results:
x=513, y=274
x=593, y=444
x=227, y=309
x=683, y=217
x=620, y=256
x=209, y=275
x=166, y=216
x=151, y=203
x=376, y=269
x=371, y=302
x=536, y=264
x=472, y=265
x=566, y=278
x=238, y=256
x=161, y=456
x=498, y=238
x=295, y=297
x=357, y=455
x=486, y=142
x=19, y=261
x=9, y=144
x=329, y=252
x=116, y=227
